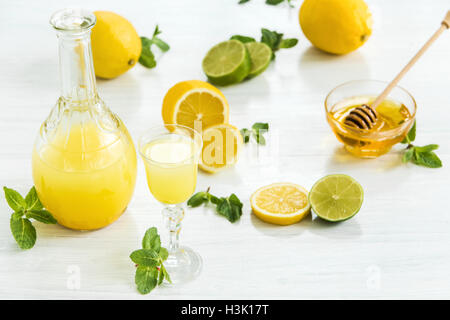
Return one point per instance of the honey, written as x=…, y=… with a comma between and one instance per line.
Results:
x=387, y=131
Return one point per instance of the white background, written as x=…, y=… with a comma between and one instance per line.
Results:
x=396, y=247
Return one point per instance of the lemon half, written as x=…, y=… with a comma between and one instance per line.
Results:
x=281, y=203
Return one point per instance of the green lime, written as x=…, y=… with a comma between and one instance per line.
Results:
x=260, y=55
x=227, y=63
x=336, y=197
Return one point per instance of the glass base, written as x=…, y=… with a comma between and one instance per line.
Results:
x=183, y=265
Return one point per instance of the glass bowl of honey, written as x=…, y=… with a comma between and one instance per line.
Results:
x=395, y=114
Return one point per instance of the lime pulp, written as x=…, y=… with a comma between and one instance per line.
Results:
x=336, y=197
x=227, y=63
x=260, y=55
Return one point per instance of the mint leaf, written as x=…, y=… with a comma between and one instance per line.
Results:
x=243, y=1
x=245, y=134
x=214, y=200
x=258, y=129
x=274, y=2
x=198, y=199
x=411, y=136
x=427, y=148
x=160, y=277
x=271, y=38
x=147, y=58
x=163, y=254
x=166, y=275
x=32, y=200
x=41, y=215
x=156, y=32
x=288, y=43
x=161, y=44
x=18, y=214
x=408, y=155
x=243, y=39
x=146, y=279
x=275, y=40
x=23, y=232
x=259, y=138
x=14, y=199
x=150, y=270
x=230, y=208
x=260, y=126
x=151, y=240
x=427, y=159
x=145, y=257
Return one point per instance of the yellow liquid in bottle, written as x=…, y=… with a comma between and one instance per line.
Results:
x=171, y=166
x=85, y=176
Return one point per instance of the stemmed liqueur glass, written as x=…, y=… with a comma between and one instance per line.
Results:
x=171, y=154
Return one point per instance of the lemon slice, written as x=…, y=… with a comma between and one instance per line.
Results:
x=227, y=63
x=221, y=146
x=336, y=197
x=280, y=203
x=195, y=100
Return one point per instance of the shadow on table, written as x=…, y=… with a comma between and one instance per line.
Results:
x=348, y=229
x=333, y=230
x=323, y=70
x=278, y=231
x=342, y=159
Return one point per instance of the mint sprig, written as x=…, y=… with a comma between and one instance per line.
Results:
x=273, y=39
x=257, y=132
x=229, y=207
x=422, y=156
x=150, y=271
x=147, y=58
x=31, y=207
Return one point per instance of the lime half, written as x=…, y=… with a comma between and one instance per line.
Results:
x=227, y=63
x=260, y=55
x=336, y=197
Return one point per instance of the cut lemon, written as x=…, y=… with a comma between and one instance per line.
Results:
x=195, y=104
x=336, y=197
x=221, y=146
x=280, y=203
x=227, y=63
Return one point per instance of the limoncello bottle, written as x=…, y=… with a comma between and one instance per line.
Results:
x=84, y=161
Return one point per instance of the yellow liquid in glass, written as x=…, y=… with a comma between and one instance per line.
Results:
x=171, y=166
x=85, y=177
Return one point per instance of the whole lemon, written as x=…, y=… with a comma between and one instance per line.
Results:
x=336, y=26
x=116, y=45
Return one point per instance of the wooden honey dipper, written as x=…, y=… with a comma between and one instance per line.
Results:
x=365, y=117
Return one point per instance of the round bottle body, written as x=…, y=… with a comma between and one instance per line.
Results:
x=85, y=175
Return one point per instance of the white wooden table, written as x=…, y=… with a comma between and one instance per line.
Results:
x=398, y=246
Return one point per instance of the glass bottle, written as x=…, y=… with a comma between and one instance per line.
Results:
x=84, y=161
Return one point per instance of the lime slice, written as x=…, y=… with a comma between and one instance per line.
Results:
x=336, y=197
x=260, y=55
x=227, y=63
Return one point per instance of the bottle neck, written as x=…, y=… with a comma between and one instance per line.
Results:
x=76, y=66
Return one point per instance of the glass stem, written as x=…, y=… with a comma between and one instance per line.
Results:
x=173, y=214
